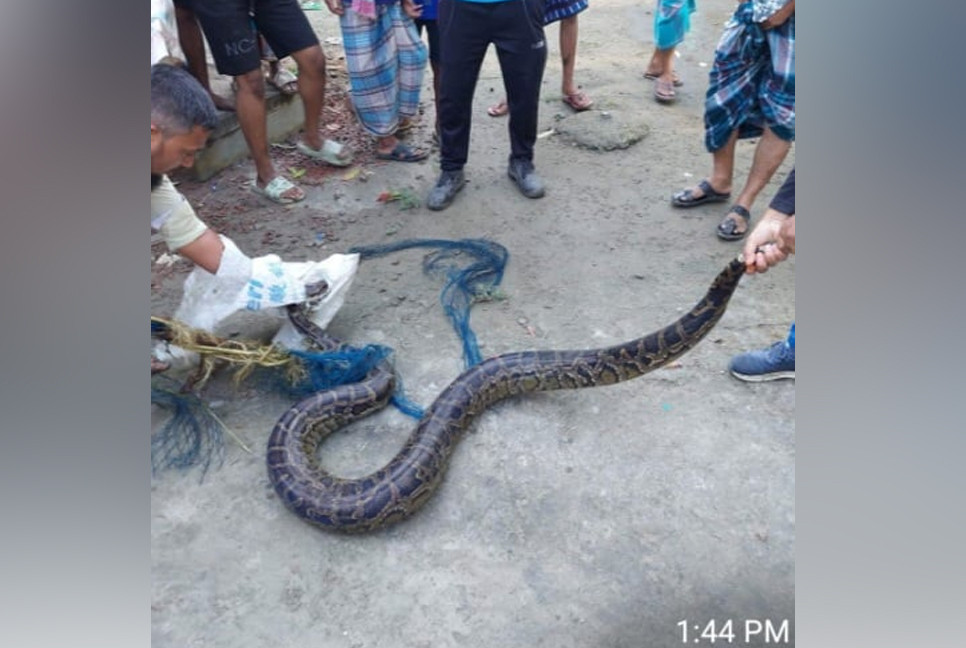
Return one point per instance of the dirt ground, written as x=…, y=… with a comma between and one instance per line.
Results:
x=598, y=517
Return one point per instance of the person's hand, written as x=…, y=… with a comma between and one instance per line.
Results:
x=778, y=18
x=786, y=235
x=335, y=6
x=157, y=366
x=412, y=9
x=770, y=243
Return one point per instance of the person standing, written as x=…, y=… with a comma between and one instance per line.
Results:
x=564, y=11
x=232, y=28
x=385, y=58
x=467, y=28
x=751, y=94
x=672, y=20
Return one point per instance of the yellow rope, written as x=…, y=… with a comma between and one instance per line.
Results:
x=245, y=354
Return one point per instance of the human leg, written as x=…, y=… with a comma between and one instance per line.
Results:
x=522, y=65
x=311, y=88
x=522, y=53
x=663, y=60
x=774, y=105
x=432, y=35
x=769, y=154
x=252, y=118
x=385, y=59
x=288, y=33
x=463, y=46
x=234, y=46
x=717, y=187
x=573, y=96
x=311, y=66
x=192, y=43
x=672, y=20
x=411, y=54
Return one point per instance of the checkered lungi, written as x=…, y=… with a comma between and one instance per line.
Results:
x=752, y=81
x=385, y=59
x=557, y=9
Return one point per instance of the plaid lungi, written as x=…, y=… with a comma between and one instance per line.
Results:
x=752, y=81
x=385, y=59
x=557, y=9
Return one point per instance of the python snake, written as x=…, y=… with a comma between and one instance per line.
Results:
x=403, y=485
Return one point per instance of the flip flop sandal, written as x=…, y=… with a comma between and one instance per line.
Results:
x=686, y=198
x=727, y=228
x=284, y=81
x=664, y=92
x=498, y=110
x=402, y=153
x=674, y=76
x=331, y=152
x=276, y=190
x=579, y=101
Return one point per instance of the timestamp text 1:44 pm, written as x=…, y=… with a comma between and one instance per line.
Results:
x=729, y=631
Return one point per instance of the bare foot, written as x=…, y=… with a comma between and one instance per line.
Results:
x=498, y=109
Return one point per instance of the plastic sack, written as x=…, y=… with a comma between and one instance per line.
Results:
x=164, y=32
x=262, y=284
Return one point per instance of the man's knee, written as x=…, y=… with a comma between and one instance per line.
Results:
x=310, y=61
x=252, y=82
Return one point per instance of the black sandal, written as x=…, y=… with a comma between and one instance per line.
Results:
x=727, y=228
x=686, y=197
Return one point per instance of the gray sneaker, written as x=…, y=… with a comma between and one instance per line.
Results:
x=448, y=185
x=522, y=173
x=773, y=363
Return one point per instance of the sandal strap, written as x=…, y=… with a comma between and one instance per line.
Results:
x=332, y=147
x=278, y=186
x=706, y=188
x=741, y=211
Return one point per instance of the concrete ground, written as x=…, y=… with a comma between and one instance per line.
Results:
x=592, y=518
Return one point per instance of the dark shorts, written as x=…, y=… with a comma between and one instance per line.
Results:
x=432, y=33
x=232, y=36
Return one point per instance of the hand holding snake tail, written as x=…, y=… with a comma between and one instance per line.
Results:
x=402, y=486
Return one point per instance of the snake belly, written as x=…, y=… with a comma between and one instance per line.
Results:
x=402, y=486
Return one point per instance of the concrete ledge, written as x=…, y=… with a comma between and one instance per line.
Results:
x=227, y=143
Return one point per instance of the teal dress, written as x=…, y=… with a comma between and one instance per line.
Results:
x=672, y=21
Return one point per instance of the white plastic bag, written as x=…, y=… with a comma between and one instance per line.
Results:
x=262, y=284
x=164, y=32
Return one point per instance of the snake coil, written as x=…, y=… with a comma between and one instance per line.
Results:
x=402, y=486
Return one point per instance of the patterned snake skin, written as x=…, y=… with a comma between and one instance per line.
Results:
x=401, y=487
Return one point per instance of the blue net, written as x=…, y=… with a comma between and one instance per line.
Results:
x=191, y=437
x=323, y=370
x=472, y=270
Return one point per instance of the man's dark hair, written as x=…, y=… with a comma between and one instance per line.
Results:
x=179, y=102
